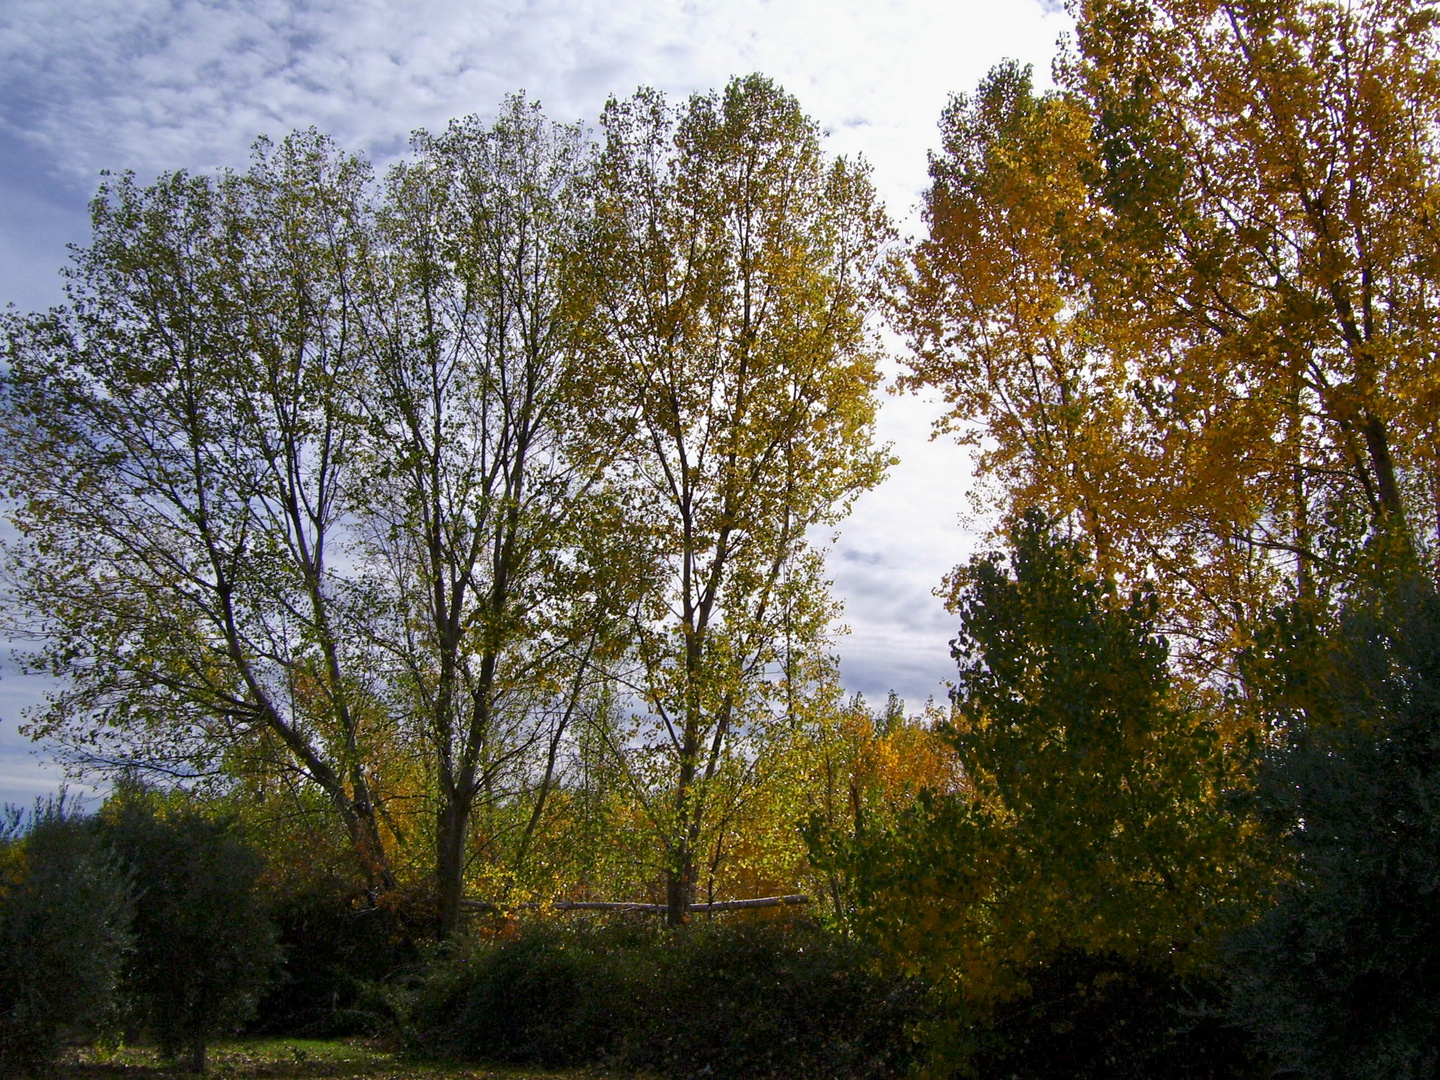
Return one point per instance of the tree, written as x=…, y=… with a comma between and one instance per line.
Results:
x=482, y=498
x=732, y=271
x=1188, y=300
x=177, y=445
x=863, y=770
x=1339, y=978
x=306, y=491
x=65, y=910
x=1092, y=823
x=204, y=948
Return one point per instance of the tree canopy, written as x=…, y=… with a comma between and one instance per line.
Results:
x=412, y=495
x=1186, y=299
x=738, y=270
x=1092, y=813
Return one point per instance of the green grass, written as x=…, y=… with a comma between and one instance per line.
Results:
x=310, y=1059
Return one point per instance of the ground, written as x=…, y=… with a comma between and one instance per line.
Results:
x=299, y=1059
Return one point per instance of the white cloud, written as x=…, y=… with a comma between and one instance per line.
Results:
x=155, y=84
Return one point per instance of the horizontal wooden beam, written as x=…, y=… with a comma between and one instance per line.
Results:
x=795, y=899
x=759, y=902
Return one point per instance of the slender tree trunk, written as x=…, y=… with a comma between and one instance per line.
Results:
x=364, y=830
x=452, y=825
x=1382, y=463
x=680, y=877
x=677, y=890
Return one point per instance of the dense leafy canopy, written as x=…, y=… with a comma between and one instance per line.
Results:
x=455, y=531
x=1187, y=299
x=417, y=500
x=737, y=273
x=65, y=915
x=1092, y=817
x=203, y=946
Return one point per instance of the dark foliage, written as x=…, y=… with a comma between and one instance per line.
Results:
x=1062, y=902
x=333, y=944
x=1342, y=978
x=204, y=948
x=1091, y=1017
x=738, y=1000
x=64, y=916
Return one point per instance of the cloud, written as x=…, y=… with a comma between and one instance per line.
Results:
x=156, y=84
x=890, y=557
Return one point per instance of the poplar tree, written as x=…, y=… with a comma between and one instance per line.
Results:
x=734, y=269
x=1187, y=300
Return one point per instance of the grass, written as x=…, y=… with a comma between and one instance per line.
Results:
x=298, y=1059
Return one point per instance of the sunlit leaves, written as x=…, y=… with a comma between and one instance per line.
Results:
x=1093, y=816
x=1185, y=300
x=733, y=271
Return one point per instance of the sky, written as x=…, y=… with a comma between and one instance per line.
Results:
x=158, y=85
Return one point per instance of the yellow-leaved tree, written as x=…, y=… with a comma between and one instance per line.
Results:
x=1187, y=300
x=734, y=269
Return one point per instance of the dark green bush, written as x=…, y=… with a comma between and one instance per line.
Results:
x=64, y=916
x=1090, y=1017
x=334, y=942
x=204, y=948
x=1342, y=977
x=727, y=1000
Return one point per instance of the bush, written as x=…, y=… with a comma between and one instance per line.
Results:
x=334, y=942
x=1090, y=1017
x=203, y=946
x=64, y=916
x=1342, y=977
x=736, y=1000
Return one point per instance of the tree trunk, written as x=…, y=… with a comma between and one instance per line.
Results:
x=679, y=883
x=680, y=876
x=1382, y=463
x=453, y=822
x=364, y=832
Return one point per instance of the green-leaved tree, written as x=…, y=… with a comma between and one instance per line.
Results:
x=1092, y=822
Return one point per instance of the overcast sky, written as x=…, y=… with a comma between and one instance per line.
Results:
x=156, y=85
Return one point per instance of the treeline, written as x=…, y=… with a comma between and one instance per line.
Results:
x=471, y=504
x=450, y=533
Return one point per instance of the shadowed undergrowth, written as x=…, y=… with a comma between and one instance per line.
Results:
x=302, y=1059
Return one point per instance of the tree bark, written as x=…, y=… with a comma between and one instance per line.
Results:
x=451, y=827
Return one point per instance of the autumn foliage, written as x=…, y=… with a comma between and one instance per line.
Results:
x=454, y=535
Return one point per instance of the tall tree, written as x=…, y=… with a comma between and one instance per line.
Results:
x=177, y=445
x=1090, y=836
x=305, y=484
x=1189, y=296
x=733, y=270
x=482, y=496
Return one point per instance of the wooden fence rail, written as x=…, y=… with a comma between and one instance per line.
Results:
x=481, y=906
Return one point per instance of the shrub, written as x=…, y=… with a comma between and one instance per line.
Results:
x=64, y=915
x=1342, y=976
x=735, y=1000
x=203, y=946
x=334, y=942
x=1102, y=1017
